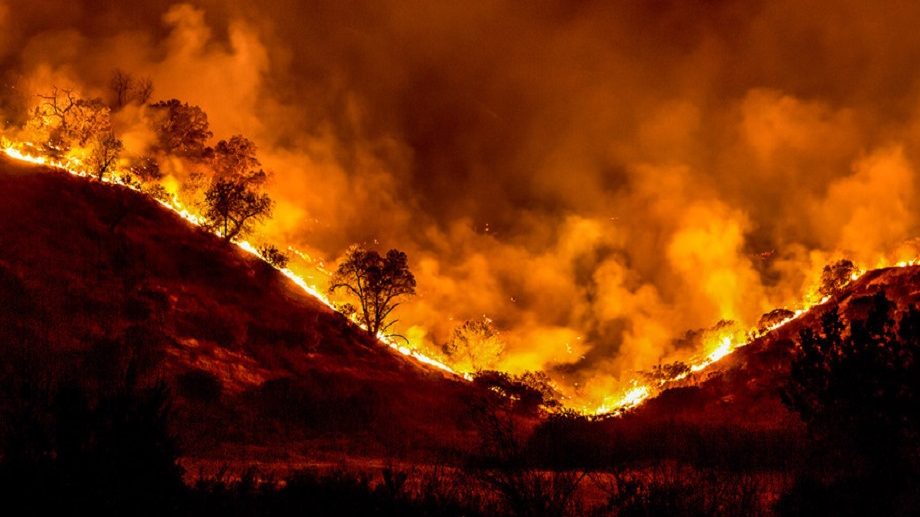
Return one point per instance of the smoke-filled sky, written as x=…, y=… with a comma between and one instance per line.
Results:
x=595, y=177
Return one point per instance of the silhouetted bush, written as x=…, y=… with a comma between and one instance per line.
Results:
x=103, y=453
x=836, y=276
x=855, y=384
x=530, y=393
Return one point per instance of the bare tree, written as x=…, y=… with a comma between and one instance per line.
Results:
x=120, y=84
x=231, y=206
x=127, y=89
x=143, y=90
x=376, y=282
x=71, y=120
x=56, y=106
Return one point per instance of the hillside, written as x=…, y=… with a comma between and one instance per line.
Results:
x=98, y=283
x=743, y=388
x=731, y=413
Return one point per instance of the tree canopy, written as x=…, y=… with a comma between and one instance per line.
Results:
x=181, y=128
x=231, y=206
x=856, y=384
x=376, y=282
x=836, y=276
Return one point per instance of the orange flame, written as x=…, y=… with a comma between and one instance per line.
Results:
x=71, y=166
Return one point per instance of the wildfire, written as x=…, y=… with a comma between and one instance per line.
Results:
x=725, y=346
x=722, y=347
x=71, y=165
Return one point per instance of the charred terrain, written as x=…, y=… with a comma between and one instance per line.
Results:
x=153, y=366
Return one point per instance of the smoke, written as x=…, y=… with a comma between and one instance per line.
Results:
x=597, y=178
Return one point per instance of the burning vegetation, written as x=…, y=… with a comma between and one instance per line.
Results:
x=607, y=210
x=222, y=191
x=590, y=289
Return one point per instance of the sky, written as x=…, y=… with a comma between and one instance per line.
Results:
x=597, y=178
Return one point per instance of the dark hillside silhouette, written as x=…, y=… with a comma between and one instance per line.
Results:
x=86, y=267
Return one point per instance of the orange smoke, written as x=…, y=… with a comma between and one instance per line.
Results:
x=595, y=178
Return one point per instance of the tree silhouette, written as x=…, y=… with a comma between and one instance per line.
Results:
x=231, y=206
x=105, y=152
x=376, y=282
x=181, y=128
x=273, y=256
x=836, y=276
x=236, y=158
x=146, y=168
x=857, y=385
x=70, y=120
x=530, y=392
x=127, y=89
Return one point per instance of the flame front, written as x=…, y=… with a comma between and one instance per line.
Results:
x=17, y=151
x=720, y=347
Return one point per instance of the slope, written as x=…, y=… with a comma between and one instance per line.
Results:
x=99, y=282
x=744, y=387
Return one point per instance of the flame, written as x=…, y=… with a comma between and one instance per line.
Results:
x=722, y=347
x=28, y=153
x=725, y=346
x=631, y=399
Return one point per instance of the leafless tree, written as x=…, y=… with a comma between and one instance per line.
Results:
x=127, y=89
x=143, y=90
x=70, y=119
x=120, y=84
x=57, y=106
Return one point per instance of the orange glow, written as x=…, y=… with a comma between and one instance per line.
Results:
x=715, y=349
x=634, y=186
x=16, y=152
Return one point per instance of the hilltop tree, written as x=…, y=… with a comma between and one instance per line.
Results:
x=376, y=283
x=232, y=206
x=475, y=344
x=181, y=128
x=666, y=372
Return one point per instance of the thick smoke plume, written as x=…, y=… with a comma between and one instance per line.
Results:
x=597, y=178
